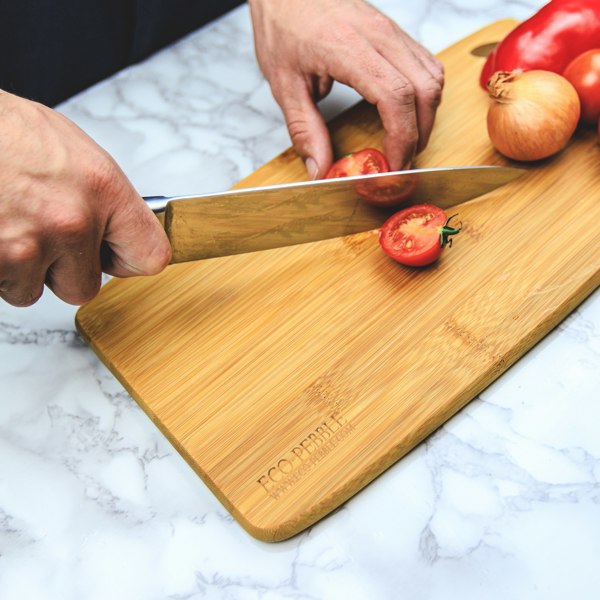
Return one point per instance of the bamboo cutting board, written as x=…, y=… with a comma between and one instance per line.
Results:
x=291, y=378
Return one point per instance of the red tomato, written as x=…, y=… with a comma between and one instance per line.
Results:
x=362, y=162
x=377, y=193
x=584, y=73
x=416, y=236
x=392, y=192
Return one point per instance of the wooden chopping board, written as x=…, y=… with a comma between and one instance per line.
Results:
x=291, y=378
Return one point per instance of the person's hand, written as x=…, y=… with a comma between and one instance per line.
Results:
x=67, y=211
x=303, y=45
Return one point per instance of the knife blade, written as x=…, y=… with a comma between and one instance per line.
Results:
x=260, y=218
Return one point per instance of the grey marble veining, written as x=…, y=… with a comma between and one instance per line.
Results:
x=502, y=502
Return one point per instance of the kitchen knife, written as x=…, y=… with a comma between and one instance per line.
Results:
x=250, y=219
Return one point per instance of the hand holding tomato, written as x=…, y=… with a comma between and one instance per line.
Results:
x=67, y=211
x=304, y=45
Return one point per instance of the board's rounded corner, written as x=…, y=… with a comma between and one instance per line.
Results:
x=273, y=533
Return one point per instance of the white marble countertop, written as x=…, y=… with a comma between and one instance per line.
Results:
x=503, y=502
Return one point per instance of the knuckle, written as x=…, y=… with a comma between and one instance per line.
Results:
x=402, y=92
x=404, y=139
x=22, y=297
x=21, y=251
x=90, y=285
x=72, y=225
x=31, y=297
x=298, y=130
x=431, y=92
x=83, y=295
x=161, y=256
x=297, y=126
x=148, y=258
x=165, y=256
x=83, y=292
x=382, y=24
x=342, y=33
x=438, y=71
x=410, y=138
x=104, y=177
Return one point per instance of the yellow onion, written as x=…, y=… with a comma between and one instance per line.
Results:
x=532, y=115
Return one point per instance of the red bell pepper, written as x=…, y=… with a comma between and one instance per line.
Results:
x=549, y=40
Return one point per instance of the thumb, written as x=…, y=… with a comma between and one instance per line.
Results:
x=135, y=242
x=307, y=128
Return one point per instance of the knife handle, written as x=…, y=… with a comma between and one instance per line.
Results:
x=157, y=204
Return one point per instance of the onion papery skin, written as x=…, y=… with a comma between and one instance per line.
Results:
x=532, y=114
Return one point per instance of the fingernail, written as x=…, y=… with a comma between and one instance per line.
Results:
x=311, y=167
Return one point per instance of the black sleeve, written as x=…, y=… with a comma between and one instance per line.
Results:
x=52, y=49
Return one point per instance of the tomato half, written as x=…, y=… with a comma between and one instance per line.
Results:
x=362, y=162
x=377, y=193
x=417, y=235
x=584, y=73
x=392, y=192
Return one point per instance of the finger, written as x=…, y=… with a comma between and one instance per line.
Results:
x=75, y=277
x=390, y=39
x=22, y=293
x=21, y=273
x=427, y=98
x=137, y=241
x=306, y=126
x=426, y=75
x=398, y=112
x=381, y=84
x=424, y=72
x=434, y=65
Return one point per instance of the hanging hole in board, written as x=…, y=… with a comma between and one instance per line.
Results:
x=484, y=49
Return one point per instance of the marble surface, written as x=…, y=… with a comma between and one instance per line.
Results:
x=503, y=502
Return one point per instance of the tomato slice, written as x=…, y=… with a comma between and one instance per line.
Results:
x=362, y=162
x=392, y=192
x=377, y=193
x=584, y=73
x=417, y=235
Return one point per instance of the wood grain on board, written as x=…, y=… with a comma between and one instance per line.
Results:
x=291, y=378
